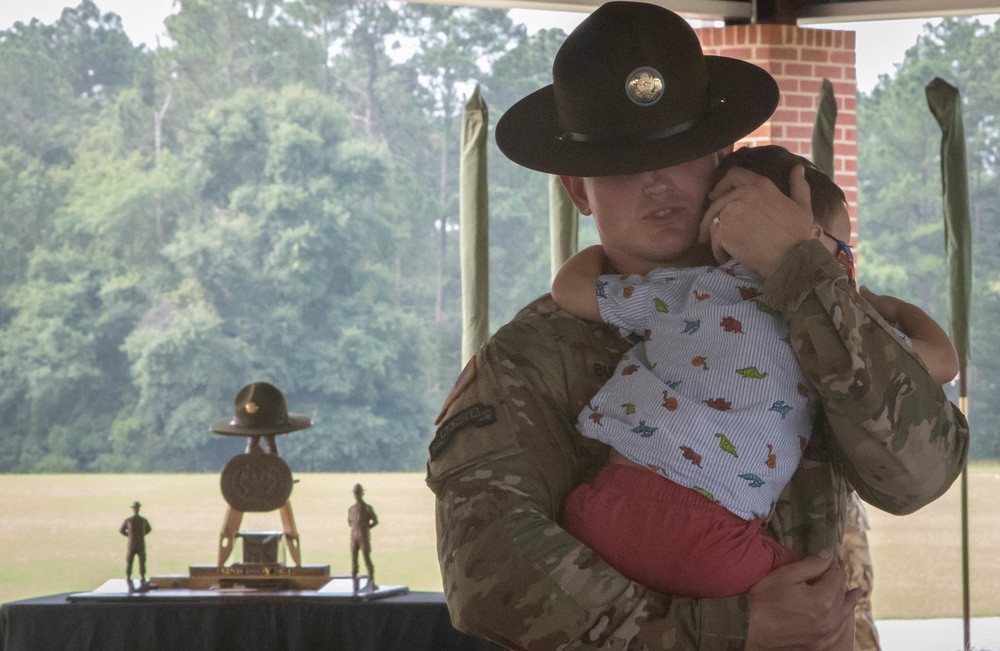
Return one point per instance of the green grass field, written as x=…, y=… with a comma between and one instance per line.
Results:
x=59, y=533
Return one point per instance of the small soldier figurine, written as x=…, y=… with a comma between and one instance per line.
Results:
x=361, y=516
x=135, y=529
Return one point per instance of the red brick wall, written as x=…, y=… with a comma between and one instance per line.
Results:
x=799, y=59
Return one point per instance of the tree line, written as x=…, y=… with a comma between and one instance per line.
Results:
x=271, y=195
x=900, y=219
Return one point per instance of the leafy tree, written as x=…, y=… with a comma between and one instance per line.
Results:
x=520, y=251
x=454, y=47
x=220, y=46
x=94, y=50
x=224, y=45
x=357, y=36
x=29, y=196
x=34, y=87
x=280, y=282
x=266, y=196
x=85, y=285
x=52, y=75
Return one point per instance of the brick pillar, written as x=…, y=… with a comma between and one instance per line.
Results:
x=799, y=59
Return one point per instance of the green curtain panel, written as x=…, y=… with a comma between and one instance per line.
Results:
x=474, y=227
x=945, y=103
x=564, y=224
x=822, y=138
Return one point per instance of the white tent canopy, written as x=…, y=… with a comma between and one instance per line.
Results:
x=814, y=11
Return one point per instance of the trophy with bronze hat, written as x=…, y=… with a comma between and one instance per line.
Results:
x=257, y=481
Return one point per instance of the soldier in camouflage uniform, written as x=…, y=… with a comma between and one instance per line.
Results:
x=507, y=452
x=857, y=562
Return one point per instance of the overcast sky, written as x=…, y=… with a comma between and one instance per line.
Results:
x=880, y=45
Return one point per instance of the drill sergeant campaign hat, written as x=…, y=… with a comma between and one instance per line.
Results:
x=631, y=92
x=259, y=410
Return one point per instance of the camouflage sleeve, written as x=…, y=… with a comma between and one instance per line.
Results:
x=856, y=516
x=505, y=455
x=898, y=439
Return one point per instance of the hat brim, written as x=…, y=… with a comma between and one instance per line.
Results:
x=528, y=133
x=295, y=422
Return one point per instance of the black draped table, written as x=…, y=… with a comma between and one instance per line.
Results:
x=410, y=622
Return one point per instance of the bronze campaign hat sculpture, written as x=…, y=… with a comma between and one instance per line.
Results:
x=259, y=410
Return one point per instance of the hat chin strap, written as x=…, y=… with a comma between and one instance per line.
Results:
x=573, y=136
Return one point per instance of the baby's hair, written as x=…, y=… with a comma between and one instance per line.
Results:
x=776, y=163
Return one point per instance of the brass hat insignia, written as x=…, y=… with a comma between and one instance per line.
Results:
x=644, y=86
x=252, y=407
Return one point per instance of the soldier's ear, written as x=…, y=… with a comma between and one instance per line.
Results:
x=577, y=191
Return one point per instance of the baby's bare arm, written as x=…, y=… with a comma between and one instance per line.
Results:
x=930, y=342
x=574, y=286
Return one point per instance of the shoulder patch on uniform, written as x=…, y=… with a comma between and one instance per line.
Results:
x=464, y=378
x=478, y=415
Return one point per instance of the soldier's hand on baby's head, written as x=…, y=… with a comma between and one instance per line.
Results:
x=752, y=221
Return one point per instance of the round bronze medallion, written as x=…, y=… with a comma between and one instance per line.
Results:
x=644, y=86
x=256, y=482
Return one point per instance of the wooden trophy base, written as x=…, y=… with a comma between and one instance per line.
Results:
x=260, y=576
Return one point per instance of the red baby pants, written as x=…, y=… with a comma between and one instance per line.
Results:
x=668, y=537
